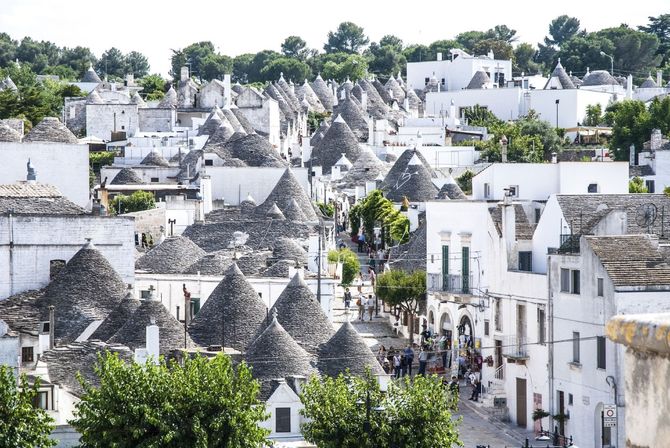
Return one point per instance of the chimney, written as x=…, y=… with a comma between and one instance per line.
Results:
x=153, y=340
x=419, y=140
x=439, y=55
x=364, y=101
x=656, y=140
x=335, y=173
x=503, y=149
x=629, y=87
x=554, y=157
x=130, y=79
x=206, y=193
x=509, y=227
x=52, y=323
x=659, y=78
x=343, y=94
x=184, y=74
x=226, y=90
x=405, y=104
x=31, y=177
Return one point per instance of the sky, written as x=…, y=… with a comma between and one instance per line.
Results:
x=155, y=27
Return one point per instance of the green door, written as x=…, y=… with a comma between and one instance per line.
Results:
x=466, y=270
x=445, y=268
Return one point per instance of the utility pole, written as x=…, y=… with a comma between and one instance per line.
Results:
x=318, y=261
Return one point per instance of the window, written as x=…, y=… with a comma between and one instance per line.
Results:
x=575, y=282
x=650, y=186
x=283, y=420
x=565, y=280
x=144, y=295
x=592, y=188
x=513, y=191
x=41, y=400
x=209, y=162
x=601, y=346
x=466, y=269
x=538, y=213
x=575, y=347
x=570, y=399
x=27, y=354
x=541, y=326
x=426, y=81
x=600, y=287
x=443, y=81
x=123, y=128
x=445, y=268
x=487, y=190
x=73, y=112
x=155, y=179
x=525, y=261
x=195, y=306
x=497, y=304
x=55, y=267
x=487, y=329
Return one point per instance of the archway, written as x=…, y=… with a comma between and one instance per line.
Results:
x=466, y=332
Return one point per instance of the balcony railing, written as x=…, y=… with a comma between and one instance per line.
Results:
x=452, y=283
x=515, y=347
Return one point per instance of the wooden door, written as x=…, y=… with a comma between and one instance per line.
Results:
x=521, y=405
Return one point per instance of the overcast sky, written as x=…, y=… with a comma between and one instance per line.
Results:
x=154, y=27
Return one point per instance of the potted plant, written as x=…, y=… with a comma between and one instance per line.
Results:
x=561, y=417
x=539, y=414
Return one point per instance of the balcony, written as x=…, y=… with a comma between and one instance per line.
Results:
x=515, y=348
x=436, y=282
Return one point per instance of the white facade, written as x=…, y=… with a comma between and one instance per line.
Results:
x=456, y=74
x=538, y=181
x=103, y=119
x=37, y=240
x=63, y=165
x=286, y=400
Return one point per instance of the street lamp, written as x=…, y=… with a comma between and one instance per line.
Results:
x=368, y=407
x=602, y=53
x=557, y=103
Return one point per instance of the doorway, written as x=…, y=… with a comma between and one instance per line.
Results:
x=521, y=404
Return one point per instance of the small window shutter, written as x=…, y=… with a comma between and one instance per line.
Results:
x=283, y=419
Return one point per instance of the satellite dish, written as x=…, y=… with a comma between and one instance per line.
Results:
x=646, y=215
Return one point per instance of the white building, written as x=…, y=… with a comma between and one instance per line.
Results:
x=653, y=164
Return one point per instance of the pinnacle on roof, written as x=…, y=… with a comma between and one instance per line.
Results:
x=337, y=140
x=274, y=355
x=172, y=256
x=232, y=314
x=90, y=75
x=50, y=130
x=301, y=315
x=8, y=134
x=170, y=100
x=354, y=116
x=154, y=158
x=85, y=290
x=286, y=189
x=347, y=350
x=170, y=330
x=126, y=176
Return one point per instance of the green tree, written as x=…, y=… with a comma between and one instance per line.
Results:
x=416, y=53
x=215, y=66
x=660, y=27
x=524, y=59
x=353, y=66
x=291, y=68
x=198, y=403
x=137, y=64
x=136, y=202
x=584, y=51
x=376, y=210
x=112, y=63
x=441, y=46
x=389, y=40
x=78, y=59
x=468, y=39
x=348, y=38
x=634, y=51
x=500, y=48
x=260, y=60
x=636, y=185
x=384, y=60
x=659, y=114
x=480, y=116
x=351, y=266
x=465, y=181
x=412, y=413
x=404, y=290
x=294, y=47
x=594, y=114
x=241, y=66
x=631, y=125
x=22, y=425
x=7, y=49
x=153, y=86
x=562, y=29
x=502, y=33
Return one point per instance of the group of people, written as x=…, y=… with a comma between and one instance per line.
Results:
x=365, y=304
x=396, y=362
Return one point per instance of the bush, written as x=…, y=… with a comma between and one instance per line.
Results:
x=636, y=185
x=350, y=264
x=136, y=202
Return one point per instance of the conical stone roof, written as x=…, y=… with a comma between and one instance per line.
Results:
x=382, y=91
x=169, y=100
x=451, y=190
x=398, y=92
x=288, y=249
x=347, y=350
x=366, y=168
x=219, y=137
x=354, y=116
x=232, y=314
x=319, y=133
x=648, y=83
x=293, y=212
x=244, y=121
x=137, y=99
x=94, y=98
x=254, y=150
x=174, y=255
x=279, y=269
x=414, y=183
x=171, y=332
x=50, y=130
x=85, y=290
x=414, y=100
x=126, y=177
x=559, y=76
x=8, y=134
x=323, y=92
x=154, y=158
x=232, y=118
x=599, y=78
x=274, y=212
x=399, y=166
x=210, y=264
x=305, y=92
x=117, y=318
x=301, y=315
x=376, y=105
x=211, y=124
x=90, y=75
x=276, y=355
x=339, y=139
x=288, y=188
x=288, y=93
x=479, y=80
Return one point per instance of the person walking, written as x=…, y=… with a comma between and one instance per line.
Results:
x=409, y=355
x=360, y=303
x=423, y=361
x=371, y=307
x=347, y=298
x=476, y=390
x=397, y=364
x=403, y=364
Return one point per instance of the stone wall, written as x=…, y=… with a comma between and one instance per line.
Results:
x=647, y=376
x=102, y=119
x=157, y=120
x=74, y=115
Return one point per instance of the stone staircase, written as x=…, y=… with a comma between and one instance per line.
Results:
x=494, y=398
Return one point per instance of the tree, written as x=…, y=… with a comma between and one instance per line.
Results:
x=389, y=40
x=78, y=59
x=291, y=68
x=562, y=29
x=594, y=114
x=500, y=48
x=215, y=66
x=7, y=49
x=137, y=64
x=348, y=38
x=354, y=67
x=294, y=47
x=468, y=39
x=636, y=185
x=465, y=181
x=136, y=202
x=112, y=63
x=634, y=51
x=416, y=53
x=153, y=86
x=241, y=66
x=631, y=125
x=22, y=425
x=351, y=265
x=258, y=63
x=659, y=114
x=660, y=27
x=480, y=116
x=200, y=402
x=584, y=51
x=413, y=413
x=524, y=59
x=405, y=290
x=441, y=46
x=376, y=210
x=503, y=33
x=385, y=61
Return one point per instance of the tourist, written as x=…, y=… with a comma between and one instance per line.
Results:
x=373, y=277
x=397, y=364
x=423, y=360
x=347, y=298
x=371, y=307
x=476, y=389
x=360, y=303
x=409, y=354
x=381, y=354
x=454, y=387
